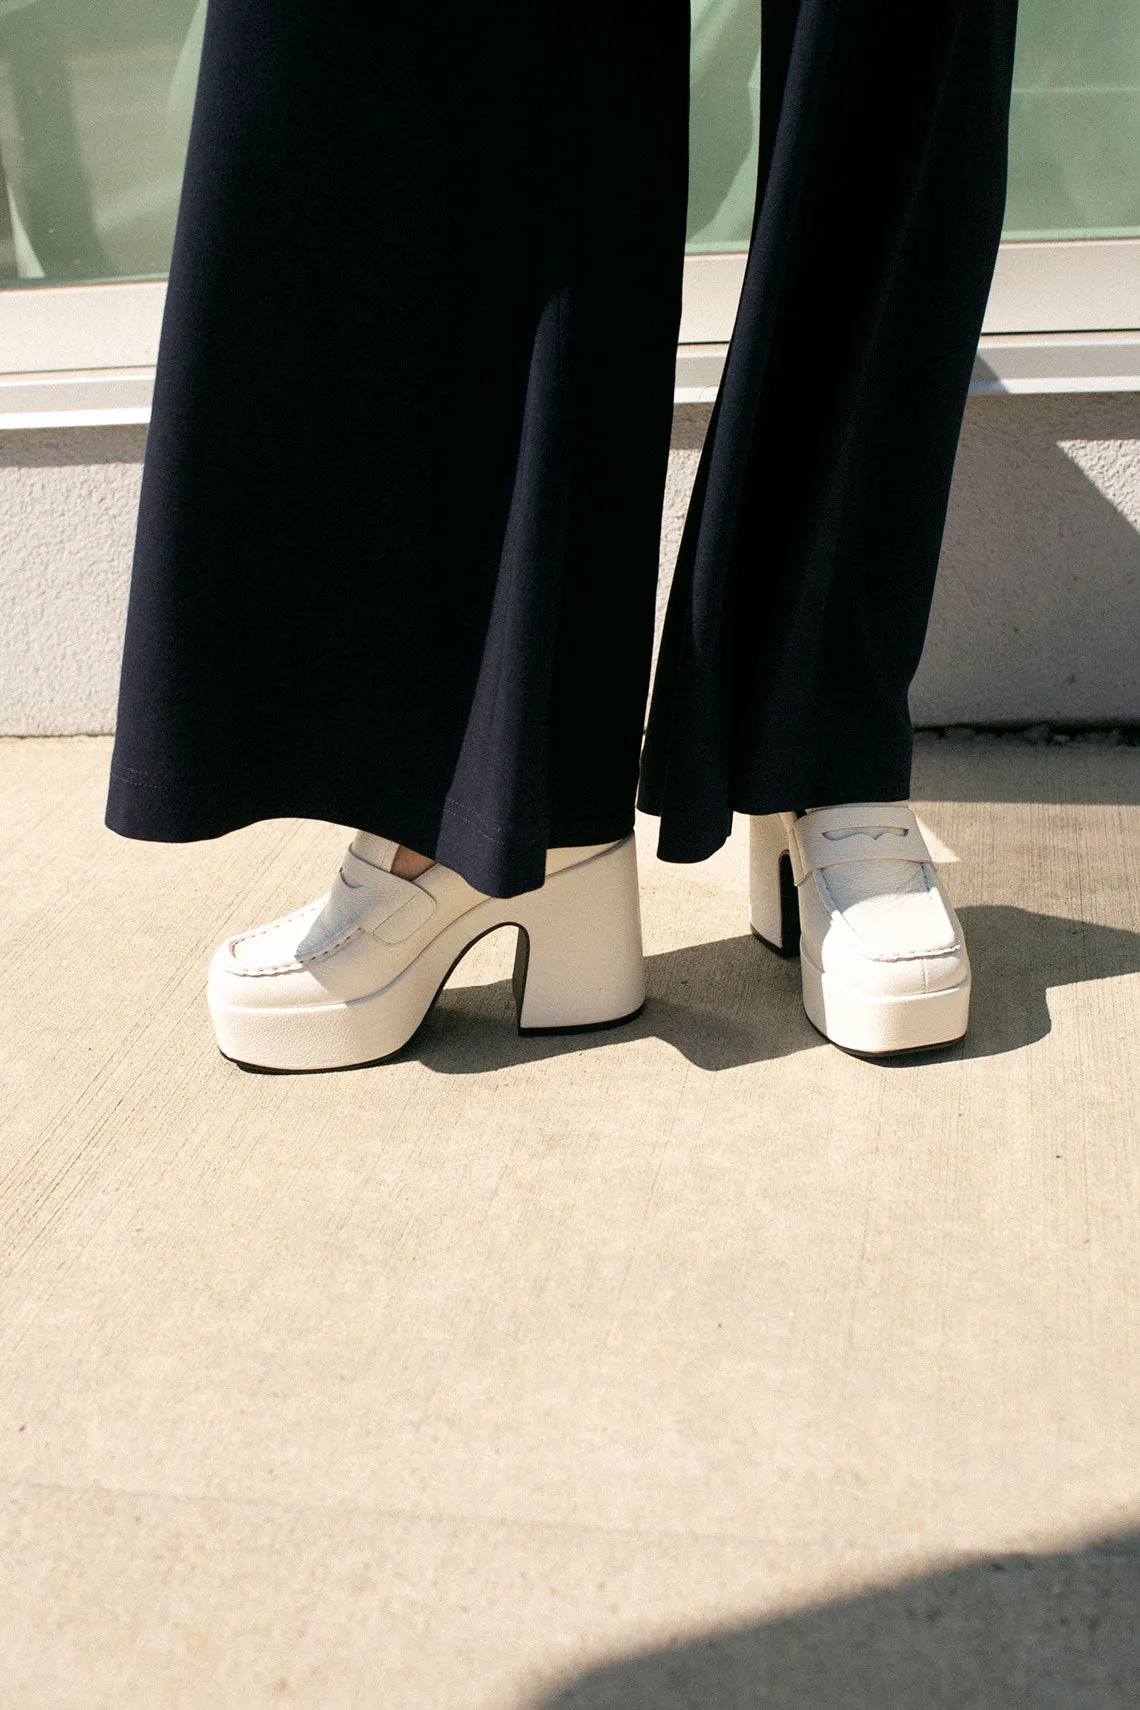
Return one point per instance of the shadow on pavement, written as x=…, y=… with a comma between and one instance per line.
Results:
x=999, y=771
x=1017, y=957
x=731, y=1002
x=1012, y=1633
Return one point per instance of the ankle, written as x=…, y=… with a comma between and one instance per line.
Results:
x=407, y=864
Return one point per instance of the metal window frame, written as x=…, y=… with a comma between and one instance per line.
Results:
x=1062, y=317
x=78, y=355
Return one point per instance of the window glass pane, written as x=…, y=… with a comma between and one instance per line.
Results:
x=1075, y=128
x=95, y=99
x=1075, y=133
x=93, y=125
x=725, y=115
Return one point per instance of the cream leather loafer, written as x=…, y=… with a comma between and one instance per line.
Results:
x=349, y=978
x=883, y=959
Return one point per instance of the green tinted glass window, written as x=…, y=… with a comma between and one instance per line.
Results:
x=94, y=111
x=1075, y=130
x=95, y=99
x=725, y=117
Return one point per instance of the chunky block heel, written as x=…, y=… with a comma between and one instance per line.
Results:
x=579, y=963
x=350, y=979
x=774, y=909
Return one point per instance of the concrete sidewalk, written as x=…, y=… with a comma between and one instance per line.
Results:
x=692, y=1367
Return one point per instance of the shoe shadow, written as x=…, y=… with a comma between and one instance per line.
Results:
x=1008, y=1633
x=1018, y=956
x=731, y=1002
x=721, y=1005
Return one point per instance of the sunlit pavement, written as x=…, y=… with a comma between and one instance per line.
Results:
x=695, y=1366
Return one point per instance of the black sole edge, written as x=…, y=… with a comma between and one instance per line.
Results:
x=777, y=949
x=883, y=1056
x=336, y=1069
x=581, y=1027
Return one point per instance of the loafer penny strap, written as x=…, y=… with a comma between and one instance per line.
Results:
x=396, y=907
x=830, y=837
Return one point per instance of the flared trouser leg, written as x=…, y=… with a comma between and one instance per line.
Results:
x=398, y=536
x=802, y=594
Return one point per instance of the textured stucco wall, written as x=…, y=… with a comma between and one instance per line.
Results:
x=67, y=517
x=1037, y=610
x=1037, y=615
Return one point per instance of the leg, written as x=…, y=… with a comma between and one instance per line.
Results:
x=802, y=596
x=397, y=547
x=387, y=488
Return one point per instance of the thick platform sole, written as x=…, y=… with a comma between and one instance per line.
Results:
x=883, y=1026
x=578, y=967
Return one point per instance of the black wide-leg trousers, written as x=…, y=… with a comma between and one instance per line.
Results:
x=398, y=537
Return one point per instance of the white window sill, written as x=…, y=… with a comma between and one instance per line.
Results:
x=96, y=398
x=1007, y=364
x=83, y=355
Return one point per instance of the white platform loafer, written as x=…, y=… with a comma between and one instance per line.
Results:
x=350, y=978
x=883, y=958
